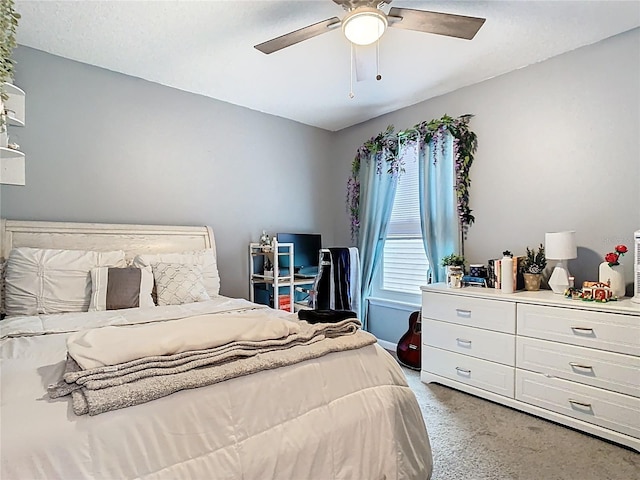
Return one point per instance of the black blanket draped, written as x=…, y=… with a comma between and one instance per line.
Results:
x=334, y=278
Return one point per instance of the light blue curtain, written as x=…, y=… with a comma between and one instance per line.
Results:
x=377, y=192
x=438, y=205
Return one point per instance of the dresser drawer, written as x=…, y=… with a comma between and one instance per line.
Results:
x=615, y=411
x=484, y=344
x=474, y=312
x=489, y=376
x=605, y=331
x=598, y=368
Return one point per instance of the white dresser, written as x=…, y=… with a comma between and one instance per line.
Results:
x=573, y=362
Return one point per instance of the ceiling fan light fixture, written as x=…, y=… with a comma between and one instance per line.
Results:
x=364, y=25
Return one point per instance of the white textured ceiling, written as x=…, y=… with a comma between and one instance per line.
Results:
x=206, y=47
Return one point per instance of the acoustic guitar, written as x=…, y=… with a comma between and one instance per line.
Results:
x=408, y=349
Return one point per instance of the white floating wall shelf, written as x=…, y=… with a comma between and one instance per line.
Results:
x=15, y=105
x=12, y=162
x=12, y=171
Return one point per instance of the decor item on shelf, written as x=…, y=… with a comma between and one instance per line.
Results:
x=560, y=246
x=612, y=258
x=534, y=264
x=478, y=270
x=591, y=292
x=598, y=292
x=471, y=281
x=268, y=267
x=265, y=239
x=493, y=273
x=532, y=281
x=610, y=271
x=452, y=260
x=454, y=277
x=506, y=276
x=573, y=293
x=266, y=245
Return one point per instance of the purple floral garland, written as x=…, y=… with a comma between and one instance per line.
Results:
x=384, y=148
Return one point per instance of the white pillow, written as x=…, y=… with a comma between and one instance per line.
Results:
x=3, y=264
x=114, y=288
x=43, y=281
x=179, y=283
x=205, y=258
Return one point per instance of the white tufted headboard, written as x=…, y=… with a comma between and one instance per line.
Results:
x=133, y=239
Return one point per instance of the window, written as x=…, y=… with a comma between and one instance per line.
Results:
x=404, y=268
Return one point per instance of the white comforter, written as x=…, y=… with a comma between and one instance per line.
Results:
x=345, y=415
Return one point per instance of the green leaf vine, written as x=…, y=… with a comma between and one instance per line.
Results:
x=8, y=27
x=384, y=149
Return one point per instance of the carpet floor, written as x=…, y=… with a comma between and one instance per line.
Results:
x=476, y=439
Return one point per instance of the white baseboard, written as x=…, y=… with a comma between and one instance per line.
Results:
x=395, y=304
x=388, y=345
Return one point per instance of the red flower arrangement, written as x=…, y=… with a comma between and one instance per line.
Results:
x=612, y=257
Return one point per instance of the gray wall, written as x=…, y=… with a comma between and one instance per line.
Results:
x=106, y=147
x=558, y=150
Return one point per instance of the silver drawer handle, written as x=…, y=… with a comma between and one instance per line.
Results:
x=582, y=330
x=462, y=340
x=580, y=404
x=463, y=313
x=463, y=371
x=579, y=365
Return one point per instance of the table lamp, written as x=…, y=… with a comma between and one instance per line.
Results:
x=560, y=246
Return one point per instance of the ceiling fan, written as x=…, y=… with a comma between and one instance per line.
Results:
x=365, y=23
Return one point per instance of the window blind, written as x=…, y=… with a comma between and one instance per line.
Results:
x=405, y=264
x=405, y=216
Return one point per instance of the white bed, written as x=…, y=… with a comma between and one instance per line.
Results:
x=347, y=414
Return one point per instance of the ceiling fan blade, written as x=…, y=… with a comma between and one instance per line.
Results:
x=297, y=36
x=447, y=24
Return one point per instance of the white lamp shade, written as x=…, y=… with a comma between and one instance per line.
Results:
x=560, y=245
x=364, y=25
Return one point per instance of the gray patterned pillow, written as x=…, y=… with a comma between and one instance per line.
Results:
x=178, y=283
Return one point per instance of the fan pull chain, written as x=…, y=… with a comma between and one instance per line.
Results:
x=351, y=94
x=378, y=76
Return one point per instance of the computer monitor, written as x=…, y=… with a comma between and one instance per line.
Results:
x=306, y=252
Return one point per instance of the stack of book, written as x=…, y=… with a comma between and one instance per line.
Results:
x=494, y=272
x=285, y=302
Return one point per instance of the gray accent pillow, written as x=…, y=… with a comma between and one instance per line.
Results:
x=117, y=288
x=179, y=283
